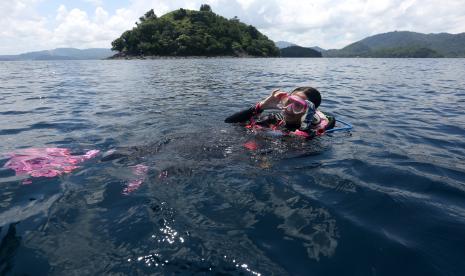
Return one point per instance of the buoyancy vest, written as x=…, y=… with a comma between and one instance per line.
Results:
x=275, y=122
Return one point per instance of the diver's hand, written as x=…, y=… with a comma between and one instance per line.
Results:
x=273, y=100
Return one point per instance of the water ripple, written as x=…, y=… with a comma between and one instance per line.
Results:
x=386, y=199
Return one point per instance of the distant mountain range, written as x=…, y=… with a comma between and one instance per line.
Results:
x=319, y=49
x=62, y=54
x=285, y=44
x=398, y=44
x=404, y=44
x=297, y=51
x=391, y=44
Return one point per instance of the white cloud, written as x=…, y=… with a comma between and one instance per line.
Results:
x=77, y=29
x=21, y=27
x=334, y=24
x=25, y=30
x=61, y=13
x=326, y=23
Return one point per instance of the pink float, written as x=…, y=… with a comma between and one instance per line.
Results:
x=140, y=171
x=251, y=145
x=51, y=162
x=45, y=162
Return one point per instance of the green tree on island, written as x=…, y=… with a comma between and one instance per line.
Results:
x=193, y=33
x=205, y=7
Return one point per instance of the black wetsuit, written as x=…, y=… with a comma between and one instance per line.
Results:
x=275, y=119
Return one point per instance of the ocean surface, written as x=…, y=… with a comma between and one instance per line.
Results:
x=387, y=198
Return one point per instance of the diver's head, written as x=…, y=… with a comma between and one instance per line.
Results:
x=305, y=93
x=310, y=93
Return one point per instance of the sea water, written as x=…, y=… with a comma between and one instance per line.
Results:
x=387, y=198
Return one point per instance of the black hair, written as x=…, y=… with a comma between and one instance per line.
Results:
x=311, y=93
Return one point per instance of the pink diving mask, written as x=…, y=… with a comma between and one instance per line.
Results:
x=292, y=104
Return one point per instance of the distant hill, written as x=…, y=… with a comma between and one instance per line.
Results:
x=62, y=54
x=193, y=33
x=319, y=49
x=404, y=44
x=297, y=51
x=284, y=44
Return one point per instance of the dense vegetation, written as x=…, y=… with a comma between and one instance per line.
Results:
x=193, y=33
x=406, y=52
x=361, y=50
x=404, y=44
x=297, y=51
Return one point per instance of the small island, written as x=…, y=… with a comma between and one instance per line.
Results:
x=192, y=33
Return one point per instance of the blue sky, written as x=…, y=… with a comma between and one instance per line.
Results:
x=49, y=7
x=31, y=25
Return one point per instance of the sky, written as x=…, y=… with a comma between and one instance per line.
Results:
x=32, y=25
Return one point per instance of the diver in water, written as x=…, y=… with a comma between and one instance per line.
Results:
x=298, y=113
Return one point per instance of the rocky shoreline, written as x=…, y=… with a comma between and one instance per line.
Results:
x=142, y=57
